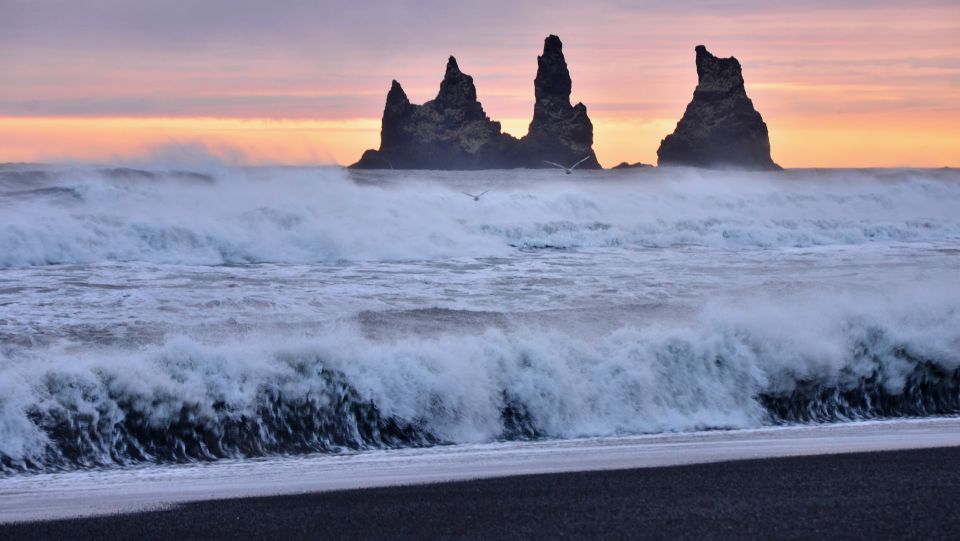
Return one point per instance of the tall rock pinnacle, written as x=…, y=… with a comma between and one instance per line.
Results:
x=552, y=86
x=396, y=111
x=457, y=90
x=720, y=127
x=560, y=132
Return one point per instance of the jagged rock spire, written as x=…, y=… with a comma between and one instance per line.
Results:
x=396, y=95
x=553, y=78
x=720, y=127
x=395, y=113
x=717, y=74
x=456, y=89
x=559, y=131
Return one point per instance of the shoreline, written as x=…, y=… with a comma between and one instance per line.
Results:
x=888, y=494
x=50, y=496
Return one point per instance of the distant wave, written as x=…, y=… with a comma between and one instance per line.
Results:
x=808, y=359
x=231, y=216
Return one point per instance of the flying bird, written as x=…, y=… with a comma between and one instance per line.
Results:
x=475, y=197
x=566, y=169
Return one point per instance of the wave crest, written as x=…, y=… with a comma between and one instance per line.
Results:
x=736, y=367
x=324, y=215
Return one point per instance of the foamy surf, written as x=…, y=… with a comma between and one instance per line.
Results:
x=266, y=394
x=239, y=216
x=169, y=317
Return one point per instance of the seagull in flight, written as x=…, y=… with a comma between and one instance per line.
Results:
x=475, y=197
x=566, y=169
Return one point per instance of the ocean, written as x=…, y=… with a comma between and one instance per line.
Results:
x=165, y=315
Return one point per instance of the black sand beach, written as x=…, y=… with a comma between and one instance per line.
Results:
x=886, y=495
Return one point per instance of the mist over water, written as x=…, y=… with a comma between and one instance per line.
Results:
x=236, y=216
x=172, y=315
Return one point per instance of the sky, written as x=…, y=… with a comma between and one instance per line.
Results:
x=840, y=84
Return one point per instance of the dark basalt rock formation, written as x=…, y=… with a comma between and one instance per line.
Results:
x=448, y=132
x=453, y=132
x=626, y=165
x=720, y=127
x=560, y=132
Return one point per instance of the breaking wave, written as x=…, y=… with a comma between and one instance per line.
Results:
x=734, y=366
x=278, y=215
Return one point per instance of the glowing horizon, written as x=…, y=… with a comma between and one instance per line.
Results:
x=867, y=84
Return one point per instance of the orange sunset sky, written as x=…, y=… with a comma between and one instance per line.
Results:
x=840, y=84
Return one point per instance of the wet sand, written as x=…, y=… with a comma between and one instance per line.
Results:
x=893, y=494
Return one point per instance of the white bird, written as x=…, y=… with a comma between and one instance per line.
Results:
x=566, y=169
x=475, y=197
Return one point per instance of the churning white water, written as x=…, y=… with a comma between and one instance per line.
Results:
x=166, y=316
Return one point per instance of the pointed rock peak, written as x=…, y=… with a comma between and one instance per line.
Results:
x=457, y=89
x=452, y=68
x=720, y=127
x=717, y=74
x=553, y=77
x=559, y=132
x=396, y=94
x=552, y=45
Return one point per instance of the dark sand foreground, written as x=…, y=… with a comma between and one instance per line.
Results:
x=885, y=495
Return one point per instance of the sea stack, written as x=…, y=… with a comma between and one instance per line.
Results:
x=453, y=132
x=720, y=127
x=449, y=132
x=560, y=132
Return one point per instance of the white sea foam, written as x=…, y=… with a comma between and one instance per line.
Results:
x=388, y=309
x=323, y=215
x=728, y=367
